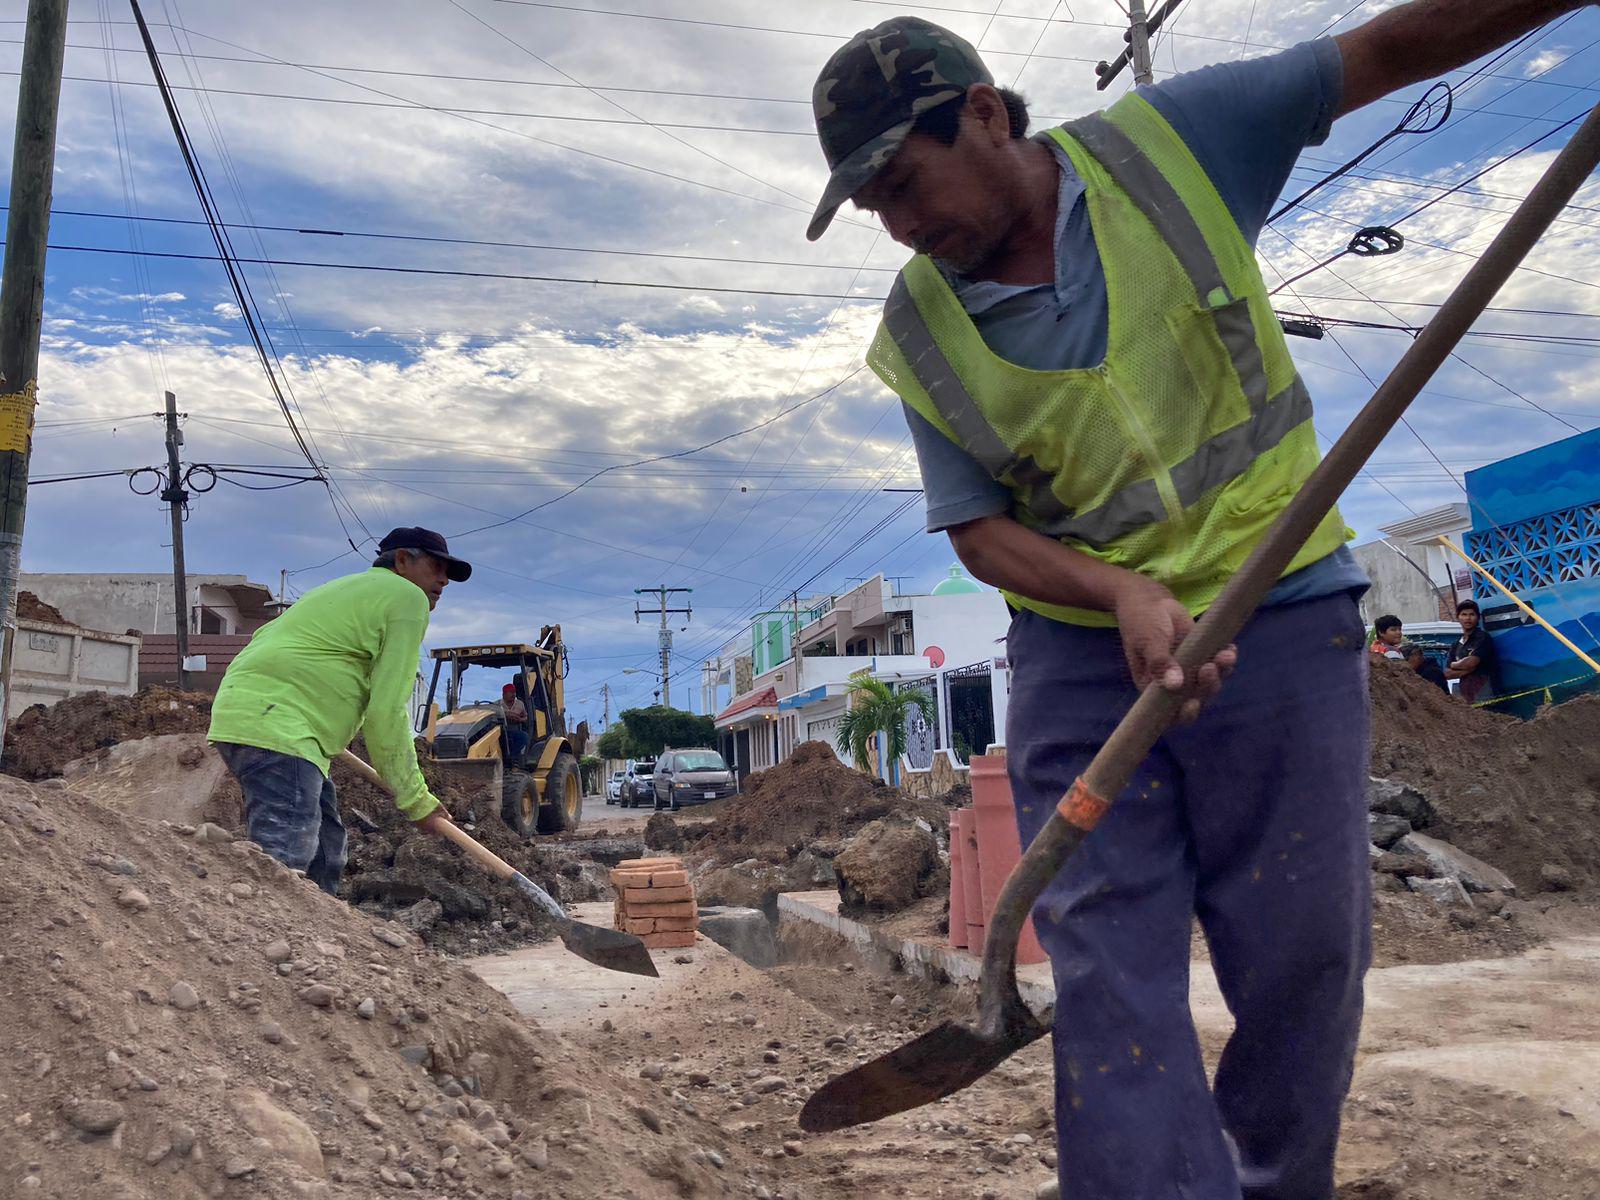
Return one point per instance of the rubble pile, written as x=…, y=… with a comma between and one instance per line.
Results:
x=41, y=741
x=431, y=888
x=1522, y=795
x=789, y=826
x=190, y=1019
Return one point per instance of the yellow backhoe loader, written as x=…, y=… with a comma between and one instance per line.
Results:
x=531, y=764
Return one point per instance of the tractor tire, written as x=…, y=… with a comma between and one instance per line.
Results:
x=519, y=802
x=563, y=796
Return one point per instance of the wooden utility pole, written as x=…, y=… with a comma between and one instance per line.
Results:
x=33, y=160
x=176, y=498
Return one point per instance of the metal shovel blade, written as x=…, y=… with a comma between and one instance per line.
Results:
x=609, y=948
x=939, y=1063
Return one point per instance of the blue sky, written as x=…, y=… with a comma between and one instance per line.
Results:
x=456, y=402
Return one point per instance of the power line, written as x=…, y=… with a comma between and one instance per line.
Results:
x=664, y=457
x=1422, y=208
x=811, y=33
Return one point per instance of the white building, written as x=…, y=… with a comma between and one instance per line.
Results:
x=1413, y=576
x=948, y=643
x=121, y=603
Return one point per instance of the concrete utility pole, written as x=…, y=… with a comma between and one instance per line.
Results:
x=33, y=160
x=605, y=707
x=664, y=638
x=1139, y=47
x=1141, y=29
x=176, y=498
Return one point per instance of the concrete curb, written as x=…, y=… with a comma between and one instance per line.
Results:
x=922, y=959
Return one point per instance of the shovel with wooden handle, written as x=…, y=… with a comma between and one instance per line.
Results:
x=609, y=948
x=957, y=1054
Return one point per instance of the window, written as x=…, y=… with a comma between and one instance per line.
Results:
x=698, y=760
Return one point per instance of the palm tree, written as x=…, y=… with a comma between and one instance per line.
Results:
x=874, y=707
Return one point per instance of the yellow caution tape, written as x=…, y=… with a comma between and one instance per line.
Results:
x=1543, y=687
x=16, y=419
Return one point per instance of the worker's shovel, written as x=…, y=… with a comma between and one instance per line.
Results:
x=957, y=1054
x=608, y=948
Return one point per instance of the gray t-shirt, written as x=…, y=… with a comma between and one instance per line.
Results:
x=1246, y=123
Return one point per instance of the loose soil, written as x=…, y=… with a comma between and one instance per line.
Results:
x=392, y=868
x=190, y=1019
x=40, y=740
x=744, y=1048
x=1519, y=795
x=31, y=608
x=809, y=797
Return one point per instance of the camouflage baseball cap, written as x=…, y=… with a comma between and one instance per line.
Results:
x=871, y=93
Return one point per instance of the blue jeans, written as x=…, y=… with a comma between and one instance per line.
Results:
x=1254, y=819
x=290, y=811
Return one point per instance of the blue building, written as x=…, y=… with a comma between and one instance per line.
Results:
x=1536, y=528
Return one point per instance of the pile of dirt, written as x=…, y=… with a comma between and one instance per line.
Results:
x=31, y=608
x=41, y=740
x=189, y=1019
x=889, y=866
x=808, y=798
x=1524, y=796
x=433, y=889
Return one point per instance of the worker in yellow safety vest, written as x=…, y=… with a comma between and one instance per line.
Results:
x=1107, y=419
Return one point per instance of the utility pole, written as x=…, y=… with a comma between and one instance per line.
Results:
x=176, y=498
x=33, y=160
x=664, y=638
x=1141, y=29
x=605, y=709
x=1139, y=46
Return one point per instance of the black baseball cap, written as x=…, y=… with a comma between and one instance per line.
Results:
x=414, y=537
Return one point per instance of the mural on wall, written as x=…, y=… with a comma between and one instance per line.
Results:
x=922, y=734
x=1536, y=528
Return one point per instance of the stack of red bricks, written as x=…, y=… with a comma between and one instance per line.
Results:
x=655, y=900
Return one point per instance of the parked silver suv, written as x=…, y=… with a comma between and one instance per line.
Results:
x=691, y=777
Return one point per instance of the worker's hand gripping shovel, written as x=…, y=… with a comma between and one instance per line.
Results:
x=957, y=1054
x=609, y=948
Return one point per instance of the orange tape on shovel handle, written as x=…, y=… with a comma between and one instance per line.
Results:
x=1082, y=807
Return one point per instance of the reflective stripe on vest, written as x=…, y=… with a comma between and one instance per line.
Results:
x=1153, y=194
x=1217, y=461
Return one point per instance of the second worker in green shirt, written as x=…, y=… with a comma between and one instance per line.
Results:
x=342, y=660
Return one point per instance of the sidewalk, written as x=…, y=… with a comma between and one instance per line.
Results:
x=561, y=991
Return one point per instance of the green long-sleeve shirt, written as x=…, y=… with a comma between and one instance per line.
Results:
x=343, y=658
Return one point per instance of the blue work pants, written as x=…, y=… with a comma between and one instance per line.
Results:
x=1254, y=819
x=290, y=811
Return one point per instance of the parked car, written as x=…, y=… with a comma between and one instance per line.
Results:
x=614, y=786
x=691, y=777
x=637, y=785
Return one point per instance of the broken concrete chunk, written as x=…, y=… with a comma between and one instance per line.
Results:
x=1454, y=863
x=1385, y=829
x=743, y=932
x=1400, y=800
x=1447, y=893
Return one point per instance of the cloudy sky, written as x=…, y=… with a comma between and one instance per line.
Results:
x=521, y=170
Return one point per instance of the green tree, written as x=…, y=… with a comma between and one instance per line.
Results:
x=651, y=730
x=614, y=744
x=876, y=708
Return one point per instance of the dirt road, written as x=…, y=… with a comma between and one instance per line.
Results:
x=1475, y=1079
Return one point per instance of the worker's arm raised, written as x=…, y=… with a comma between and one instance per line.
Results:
x=1427, y=38
x=390, y=742
x=1002, y=552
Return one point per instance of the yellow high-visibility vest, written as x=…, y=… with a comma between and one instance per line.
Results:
x=1173, y=455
